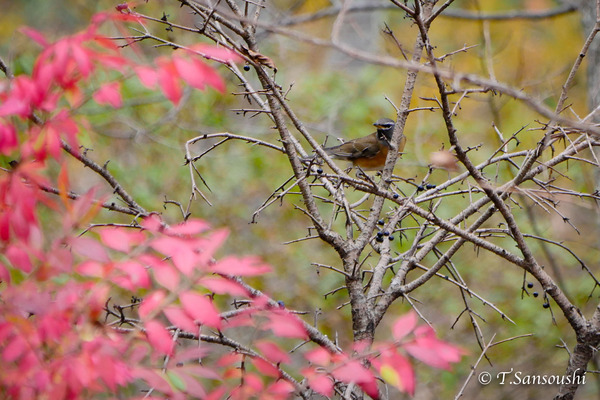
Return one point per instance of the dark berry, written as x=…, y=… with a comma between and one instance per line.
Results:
x=380, y=233
x=246, y=68
x=379, y=239
x=395, y=196
x=319, y=170
x=530, y=285
x=391, y=237
x=546, y=305
x=386, y=233
x=380, y=222
x=420, y=188
x=281, y=304
x=535, y=294
x=430, y=186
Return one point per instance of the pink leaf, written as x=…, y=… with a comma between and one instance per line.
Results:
x=8, y=138
x=91, y=268
x=319, y=356
x=246, y=266
x=285, y=324
x=216, y=53
x=434, y=352
x=190, y=227
x=190, y=73
x=152, y=223
x=137, y=276
x=404, y=325
x=159, y=337
x=282, y=389
x=147, y=76
x=221, y=285
x=166, y=275
x=36, y=35
x=120, y=239
x=265, y=368
x=211, y=244
x=4, y=274
x=180, y=319
x=153, y=379
x=83, y=60
x=396, y=370
x=354, y=371
x=89, y=248
x=109, y=93
x=180, y=250
x=320, y=383
x=272, y=352
x=151, y=302
x=210, y=76
x=201, y=309
x=168, y=80
x=19, y=258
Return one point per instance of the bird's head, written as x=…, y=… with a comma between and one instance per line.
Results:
x=385, y=126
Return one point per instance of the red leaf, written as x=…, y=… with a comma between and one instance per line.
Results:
x=181, y=252
x=272, y=352
x=201, y=309
x=136, y=276
x=167, y=276
x=285, y=324
x=281, y=389
x=153, y=379
x=210, y=76
x=8, y=138
x=14, y=349
x=168, y=80
x=190, y=227
x=36, y=35
x=319, y=356
x=180, y=319
x=109, y=93
x=320, y=383
x=190, y=73
x=434, y=352
x=354, y=371
x=152, y=223
x=120, y=239
x=159, y=337
x=82, y=59
x=91, y=268
x=396, y=370
x=219, y=54
x=147, y=76
x=265, y=368
x=151, y=302
x=404, y=325
x=193, y=388
x=246, y=266
x=19, y=258
x=89, y=248
x=220, y=285
x=4, y=274
x=211, y=244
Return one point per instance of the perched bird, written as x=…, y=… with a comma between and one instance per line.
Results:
x=368, y=152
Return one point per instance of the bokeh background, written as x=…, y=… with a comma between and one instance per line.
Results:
x=336, y=96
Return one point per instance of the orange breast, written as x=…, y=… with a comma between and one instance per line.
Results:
x=374, y=163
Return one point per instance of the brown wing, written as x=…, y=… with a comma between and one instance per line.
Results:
x=365, y=147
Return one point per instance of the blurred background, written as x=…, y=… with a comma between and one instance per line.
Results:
x=336, y=96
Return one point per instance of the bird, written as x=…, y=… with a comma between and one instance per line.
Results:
x=369, y=152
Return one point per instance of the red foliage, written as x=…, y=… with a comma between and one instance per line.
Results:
x=56, y=285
